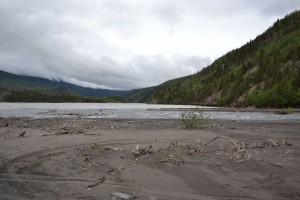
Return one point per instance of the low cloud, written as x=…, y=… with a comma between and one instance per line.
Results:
x=124, y=44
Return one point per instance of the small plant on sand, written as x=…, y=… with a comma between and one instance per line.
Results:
x=194, y=118
x=78, y=114
x=96, y=146
x=52, y=110
x=288, y=110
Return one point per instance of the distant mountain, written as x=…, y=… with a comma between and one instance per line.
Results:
x=16, y=88
x=264, y=72
x=17, y=82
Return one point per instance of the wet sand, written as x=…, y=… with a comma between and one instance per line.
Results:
x=68, y=158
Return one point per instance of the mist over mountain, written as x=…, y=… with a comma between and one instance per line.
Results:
x=29, y=89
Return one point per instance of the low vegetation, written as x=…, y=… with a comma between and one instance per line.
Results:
x=194, y=118
x=285, y=111
x=96, y=146
x=37, y=96
x=52, y=110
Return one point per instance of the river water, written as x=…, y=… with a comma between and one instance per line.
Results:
x=127, y=111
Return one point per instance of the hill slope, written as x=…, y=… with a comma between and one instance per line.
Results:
x=16, y=88
x=12, y=81
x=264, y=72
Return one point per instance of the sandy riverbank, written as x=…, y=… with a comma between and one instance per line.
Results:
x=60, y=158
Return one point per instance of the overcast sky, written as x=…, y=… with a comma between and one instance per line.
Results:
x=126, y=44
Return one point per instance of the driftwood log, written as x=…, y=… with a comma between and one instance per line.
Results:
x=7, y=124
x=101, y=180
x=22, y=134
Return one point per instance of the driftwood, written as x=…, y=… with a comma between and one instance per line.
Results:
x=69, y=129
x=113, y=148
x=22, y=134
x=276, y=164
x=93, y=184
x=113, y=170
x=172, y=144
x=122, y=196
x=101, y=180
x=92, y=133
x=7, y=124
x=286, y=143
x=274, y=144
x=223, y=137
x=136, y=152
x=110, y=171
x=238, y=151
x=287, y=152
x=217, y=163
x=171, y=160
x=46, y=134
x=243, y=145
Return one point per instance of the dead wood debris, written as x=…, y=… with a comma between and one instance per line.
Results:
x=237, y=151
x=113, y=170
x=223, y=137
x=217, y=163
x=100, y=180
x=287, y=152
x=171, y=160
x=241, y=152
x=92, y=134
x=243, y=145
x=107, y=148
x=22, y=134
x=7, y=124
x=194, y=148
x=120, y=196
x=46, y=134
x=240, y=155
x=136, y=152
x=68, y=129
x=276, y=164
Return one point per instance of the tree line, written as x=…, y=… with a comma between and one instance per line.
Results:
x=27, y=95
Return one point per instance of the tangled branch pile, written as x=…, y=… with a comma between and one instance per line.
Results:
x=239, y=151
x=136, y=152
x=68, y=129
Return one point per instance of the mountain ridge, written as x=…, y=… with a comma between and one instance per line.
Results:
x=264, y=72
x=18, y=82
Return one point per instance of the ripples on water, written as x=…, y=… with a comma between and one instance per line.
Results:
x=124, y=111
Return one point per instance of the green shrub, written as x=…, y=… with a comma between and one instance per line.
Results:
x=194, y=118
x=288, y=110
x=96, y=146
x=224, y=101
x=52, y=110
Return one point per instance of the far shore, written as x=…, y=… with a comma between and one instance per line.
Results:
x=232, y=109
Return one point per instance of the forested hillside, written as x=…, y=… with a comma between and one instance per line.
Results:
x=264, y=72
x=17, y=82
x=16, y=88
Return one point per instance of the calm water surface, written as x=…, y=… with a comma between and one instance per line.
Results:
x=125, y=111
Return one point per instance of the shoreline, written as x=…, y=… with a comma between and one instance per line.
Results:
x=231, y=109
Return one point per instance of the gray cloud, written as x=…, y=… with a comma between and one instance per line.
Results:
x=126, y=44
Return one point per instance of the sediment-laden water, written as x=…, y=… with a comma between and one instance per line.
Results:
x=126, y=111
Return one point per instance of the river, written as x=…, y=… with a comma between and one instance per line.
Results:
x=127, y=111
